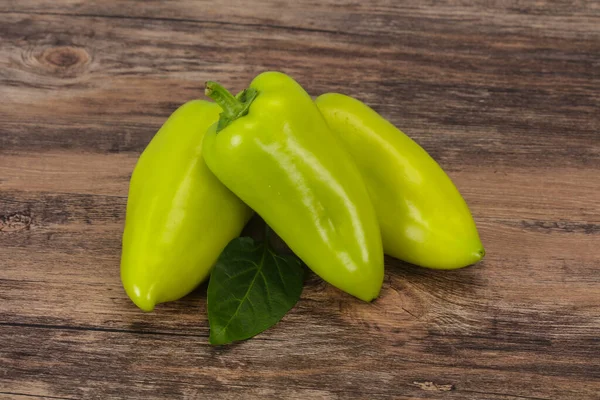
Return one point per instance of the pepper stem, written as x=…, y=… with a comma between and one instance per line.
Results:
x=233, y=107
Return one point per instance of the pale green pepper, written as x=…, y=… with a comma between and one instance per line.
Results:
x=274, y=150
x=179, y=216
x=423, y=218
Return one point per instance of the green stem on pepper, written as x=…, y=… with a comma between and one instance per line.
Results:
x=233, y=107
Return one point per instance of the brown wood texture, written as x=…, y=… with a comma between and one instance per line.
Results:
x=504, y=94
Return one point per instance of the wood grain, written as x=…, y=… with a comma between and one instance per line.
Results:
x=505, y=95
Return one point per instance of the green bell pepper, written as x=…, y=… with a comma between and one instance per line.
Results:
x=179, y=216
x=273, y=149
x=423, y=218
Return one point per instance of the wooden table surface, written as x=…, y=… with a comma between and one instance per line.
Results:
x=505, y=96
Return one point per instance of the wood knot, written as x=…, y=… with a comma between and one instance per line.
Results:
x=64, y=57
x=65, y=61
x=15, y=222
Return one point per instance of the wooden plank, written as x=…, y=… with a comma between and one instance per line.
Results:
x=186, y=368
x=548, y=195
x=66, y=172
x=96, y=86
x=376, y=17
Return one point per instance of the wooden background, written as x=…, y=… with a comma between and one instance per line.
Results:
x=505, y=96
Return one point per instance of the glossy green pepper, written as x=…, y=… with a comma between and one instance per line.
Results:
x=423, y=218
x=179, y=216
x=273, y=149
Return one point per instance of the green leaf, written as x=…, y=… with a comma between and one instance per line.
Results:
x=250, y=289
